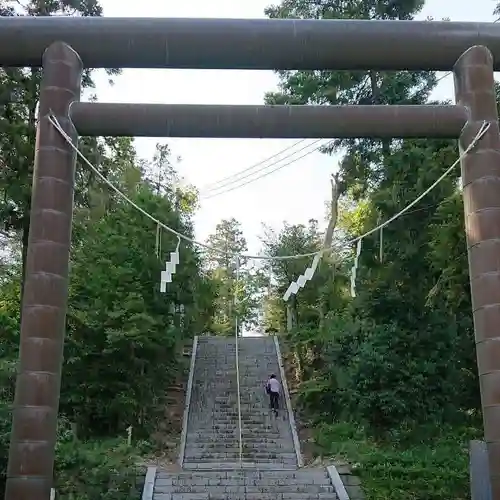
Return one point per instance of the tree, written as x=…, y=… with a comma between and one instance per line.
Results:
x=292, y=240
x=228, y=240
x=237, y=286
x=19, y=95
x=301, y=317
x=363, y=165
x=124, y=339
x=117, y=313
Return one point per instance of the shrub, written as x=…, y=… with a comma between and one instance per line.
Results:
x=426, y=463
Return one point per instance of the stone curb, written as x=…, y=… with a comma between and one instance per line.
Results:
x=149, y=484
x=291, y=417
x=187, y=402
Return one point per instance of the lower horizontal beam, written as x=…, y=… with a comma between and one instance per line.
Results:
x=273, y=122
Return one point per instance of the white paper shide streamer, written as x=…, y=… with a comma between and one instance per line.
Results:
x=295, y=286
x=355, y=268
x=170, y=267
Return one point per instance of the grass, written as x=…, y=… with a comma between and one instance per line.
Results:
x=424, y=463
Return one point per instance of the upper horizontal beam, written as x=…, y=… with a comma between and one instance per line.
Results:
x=246, y=43
x=192, y=120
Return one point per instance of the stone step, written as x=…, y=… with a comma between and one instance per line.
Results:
x=219, y=454
x=234, y=457
x=251, y=442
x=242, y=484
x=246, y=445
x=316, y=475
x=245, y=496
x=241, y=488
x=219, y=436
x=231, y=466
x=257, y=455
x=234, y=446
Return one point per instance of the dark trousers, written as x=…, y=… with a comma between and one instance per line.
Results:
x=274, y=398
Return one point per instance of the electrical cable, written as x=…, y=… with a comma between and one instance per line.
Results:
x=214, y=185
x=267, y=173
x=223, y=185
x=53, y=120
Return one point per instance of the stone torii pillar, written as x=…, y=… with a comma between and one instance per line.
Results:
x=475, y=90
x=43, y=324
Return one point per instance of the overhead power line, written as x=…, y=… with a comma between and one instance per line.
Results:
x=247, y=172
x=269, y=172
x=223, y=180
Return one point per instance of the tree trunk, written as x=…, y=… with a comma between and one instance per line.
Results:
x=294, y=311
x=289, y=318
x=24, y=252
x=327, y=244
x=297, y=357
x=386, y=143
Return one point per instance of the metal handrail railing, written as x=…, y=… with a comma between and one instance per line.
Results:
x=237, y=361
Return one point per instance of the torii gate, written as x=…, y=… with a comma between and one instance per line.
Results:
x=64, y=45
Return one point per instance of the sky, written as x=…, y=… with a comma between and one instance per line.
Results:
x=295, y=193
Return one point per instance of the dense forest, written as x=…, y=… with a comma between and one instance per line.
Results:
x=386, y=379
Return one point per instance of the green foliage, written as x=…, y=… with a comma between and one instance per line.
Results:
x=19, y=95
x=382, y=374
x=417, y=463
x=96, y=469
x=363, y=165
x=123, y=337
x=399, y=355
x=231, y=279
x=291, y=240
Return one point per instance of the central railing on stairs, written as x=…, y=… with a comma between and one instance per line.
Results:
x=236, y=335
x=240, y=436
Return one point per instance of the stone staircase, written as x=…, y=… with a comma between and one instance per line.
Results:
x=210, y=457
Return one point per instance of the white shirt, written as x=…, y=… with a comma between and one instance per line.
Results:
x=274, y=385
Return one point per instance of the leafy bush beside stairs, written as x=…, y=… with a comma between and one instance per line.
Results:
x=96, y=469
x=86, y=470
x=422, y=463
